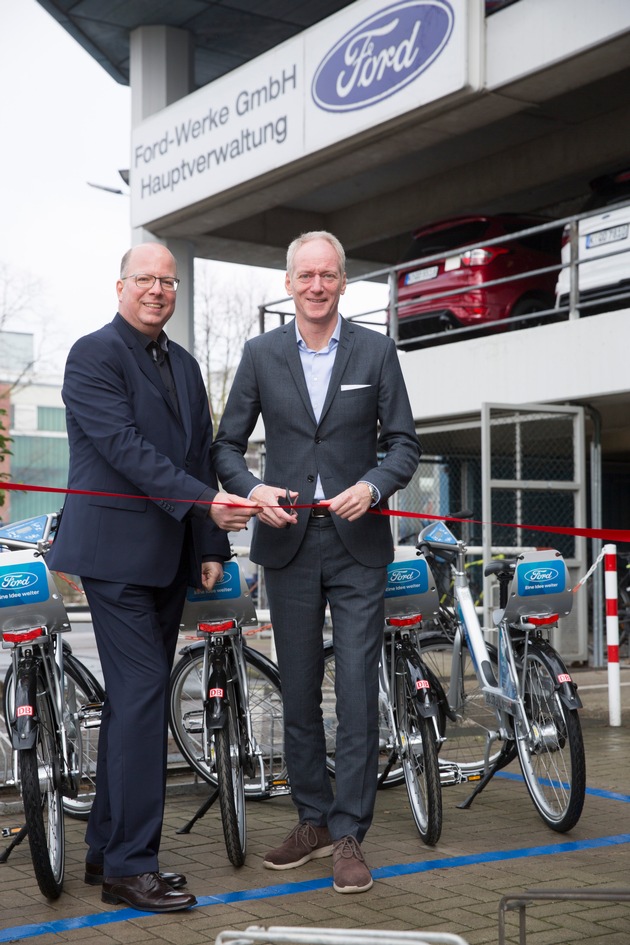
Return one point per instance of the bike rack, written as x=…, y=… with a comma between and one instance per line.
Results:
x=512, y=901
x=275, y=935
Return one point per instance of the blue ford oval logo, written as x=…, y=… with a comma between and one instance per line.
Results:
x=403, y=575
x=540, y=575
x=226, y=579
x=382, y=55
x=18, y=581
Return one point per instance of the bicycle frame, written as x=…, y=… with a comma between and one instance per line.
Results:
x=223, y=663
x=526, y=610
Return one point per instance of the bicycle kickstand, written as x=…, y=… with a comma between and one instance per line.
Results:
x=18, y=834
x=501, y=762
x=205, y=807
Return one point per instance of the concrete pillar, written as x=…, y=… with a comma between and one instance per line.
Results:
x=161, y=71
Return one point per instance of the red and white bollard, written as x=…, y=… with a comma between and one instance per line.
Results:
x=612, y=634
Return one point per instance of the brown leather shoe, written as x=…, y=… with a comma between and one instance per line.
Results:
x=146, y=892
x=305, y=842
x=350, y=871
x=94, y=876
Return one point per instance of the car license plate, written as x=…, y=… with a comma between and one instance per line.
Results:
x=612, y=235
x=421, y=275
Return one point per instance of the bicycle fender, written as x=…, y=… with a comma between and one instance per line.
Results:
x=216, y=704
x=25, y=721
x=565, y=687
x=426, y=696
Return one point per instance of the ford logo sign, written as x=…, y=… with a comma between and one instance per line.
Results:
x=18, y=581
x=382, y=55
x=539, y=575
x=403, y=575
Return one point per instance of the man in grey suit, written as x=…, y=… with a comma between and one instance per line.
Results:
x=332, y=398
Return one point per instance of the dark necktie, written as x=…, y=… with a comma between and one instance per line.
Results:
x=162, y=363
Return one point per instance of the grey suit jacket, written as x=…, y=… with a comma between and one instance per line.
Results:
x=366, y=414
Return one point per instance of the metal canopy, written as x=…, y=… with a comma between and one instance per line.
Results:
x=227, y=33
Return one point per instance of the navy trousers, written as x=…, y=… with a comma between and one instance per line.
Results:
x=136, y=632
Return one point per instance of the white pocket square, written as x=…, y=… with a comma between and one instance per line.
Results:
x=354, y=386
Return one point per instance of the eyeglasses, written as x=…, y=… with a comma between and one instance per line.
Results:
x=144, y=281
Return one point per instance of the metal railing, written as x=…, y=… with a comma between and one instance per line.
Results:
x=578, y=304
x=514, y=901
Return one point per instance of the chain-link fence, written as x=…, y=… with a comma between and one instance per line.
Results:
x=507, y=468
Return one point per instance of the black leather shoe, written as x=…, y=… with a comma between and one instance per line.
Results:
x=94, y=876
x=145, y=892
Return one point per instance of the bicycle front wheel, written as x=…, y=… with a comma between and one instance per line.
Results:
x=419, y=757
x=551, y=750
x=265, y=705
x=230, y=781
x=40, y=776
x=474, y=721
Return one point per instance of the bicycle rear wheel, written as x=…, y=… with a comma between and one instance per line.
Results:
x=265, y=704
x=40, y=778
x=419, y=757
x=390, y=771
x=466, y=735
x=83, y=704
x=551, y=752
x=228, y=751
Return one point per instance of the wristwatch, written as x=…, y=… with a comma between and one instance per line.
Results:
x=373, y=493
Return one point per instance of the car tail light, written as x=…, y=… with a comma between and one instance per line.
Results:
x=481, y=257
x=566, y=236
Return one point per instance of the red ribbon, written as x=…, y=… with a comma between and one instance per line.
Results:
x=605, y=534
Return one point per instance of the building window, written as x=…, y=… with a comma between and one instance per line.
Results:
x=52, y=419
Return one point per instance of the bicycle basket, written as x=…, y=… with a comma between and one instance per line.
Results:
x=540, y=587
x=410, y=587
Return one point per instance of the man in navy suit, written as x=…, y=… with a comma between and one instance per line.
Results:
x=140, y=433
x=332, y=398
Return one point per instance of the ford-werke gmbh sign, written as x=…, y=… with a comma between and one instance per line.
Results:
x=369, y=64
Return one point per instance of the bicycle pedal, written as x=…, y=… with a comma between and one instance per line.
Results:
x=8, y=832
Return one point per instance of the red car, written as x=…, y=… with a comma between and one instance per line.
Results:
x=463, y=267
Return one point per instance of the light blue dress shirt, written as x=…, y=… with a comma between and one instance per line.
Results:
x=317, y=367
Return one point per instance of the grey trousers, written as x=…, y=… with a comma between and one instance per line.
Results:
x=324, y=571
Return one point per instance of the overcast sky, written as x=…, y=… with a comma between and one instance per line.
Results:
x=65, y=122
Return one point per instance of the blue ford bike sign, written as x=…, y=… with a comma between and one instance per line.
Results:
x=228, y=588
x=542, y=578
x=382, y=54
x=407, y=577
x=23, y=584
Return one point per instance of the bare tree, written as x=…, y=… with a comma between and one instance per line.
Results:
x=21, y=316
x=226, y=315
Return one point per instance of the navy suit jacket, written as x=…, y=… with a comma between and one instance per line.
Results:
x=366, y=413
x=125, y=438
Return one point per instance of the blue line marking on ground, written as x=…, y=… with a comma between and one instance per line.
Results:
x=291, y=889
x=592, y=792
